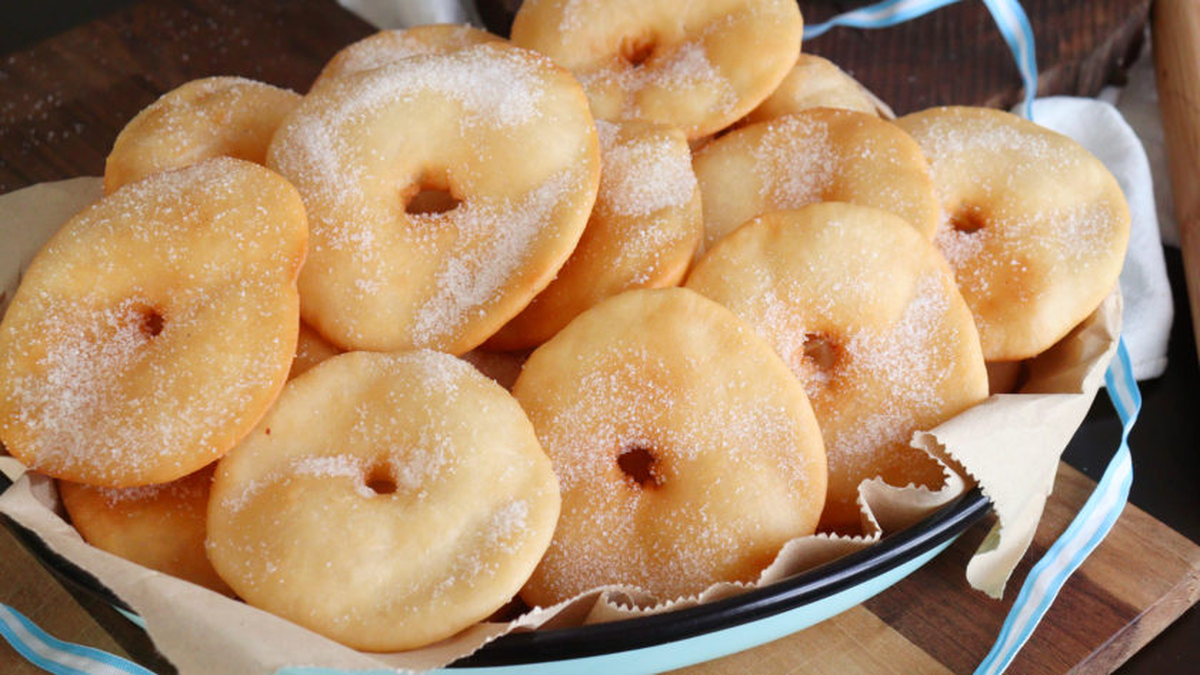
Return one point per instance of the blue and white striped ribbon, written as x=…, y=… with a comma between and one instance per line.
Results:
x=1009, y=16
x=55, y=656
x=1085, y=533
x=880, y=15
x=1014, y=26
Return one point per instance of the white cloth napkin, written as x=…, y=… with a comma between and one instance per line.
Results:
x=1099, y=127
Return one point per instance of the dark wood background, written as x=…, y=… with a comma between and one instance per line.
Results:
x=60, y=78
x=956, y=55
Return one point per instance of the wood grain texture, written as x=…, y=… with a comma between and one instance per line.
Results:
x=1176, y=28
x=956, y=55
x=1140, y=579
x=63, y=101
x=855, y=641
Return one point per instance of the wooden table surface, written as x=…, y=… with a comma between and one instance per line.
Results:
x=64, y=98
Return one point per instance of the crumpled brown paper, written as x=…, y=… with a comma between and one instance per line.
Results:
x=1010, y=445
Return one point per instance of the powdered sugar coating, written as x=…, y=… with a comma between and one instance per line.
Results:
x=868, y=318
x=190, y=487
x=205, y=118
x=643, y=174
x=382, y=278
x=814, y=82
x=795, y=162
x=417, y=505
x=1034, y=227
x=642, y=231
x=639, y=372
x=695, y=66
x=469, y=278
x=685, y=68
x=113, y=372
x=812, y=156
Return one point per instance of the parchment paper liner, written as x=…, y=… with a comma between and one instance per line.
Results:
x=1010, y=444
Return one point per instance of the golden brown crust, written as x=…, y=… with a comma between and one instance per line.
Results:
x=686, y=451
x=1034, y=226
x=155, y=328
x=156, y=526
x=383, y=276
x=202, y=119
x=311, y=349
x=813, y=82
x=815, y=155
x=414, y=505
x=865, y=312
x=387, y=46
x=642, y=232
x=698, y=66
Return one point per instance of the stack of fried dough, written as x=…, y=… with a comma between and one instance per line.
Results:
x=632, y=298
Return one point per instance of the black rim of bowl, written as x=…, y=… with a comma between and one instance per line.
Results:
x=657, y=629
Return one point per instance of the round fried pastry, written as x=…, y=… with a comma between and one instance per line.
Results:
x=155, y=328
x=815, y=155
x=1034, y=226
x=370, y=152
x=813, y=82
x=418, y=504
x=388, y=46
x=642, y=232
x=686, y=452
x=156, y=526
x=698, y=66
x=866, y=314
x=205, y=118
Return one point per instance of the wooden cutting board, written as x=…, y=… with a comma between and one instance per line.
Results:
x=1139, y=580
